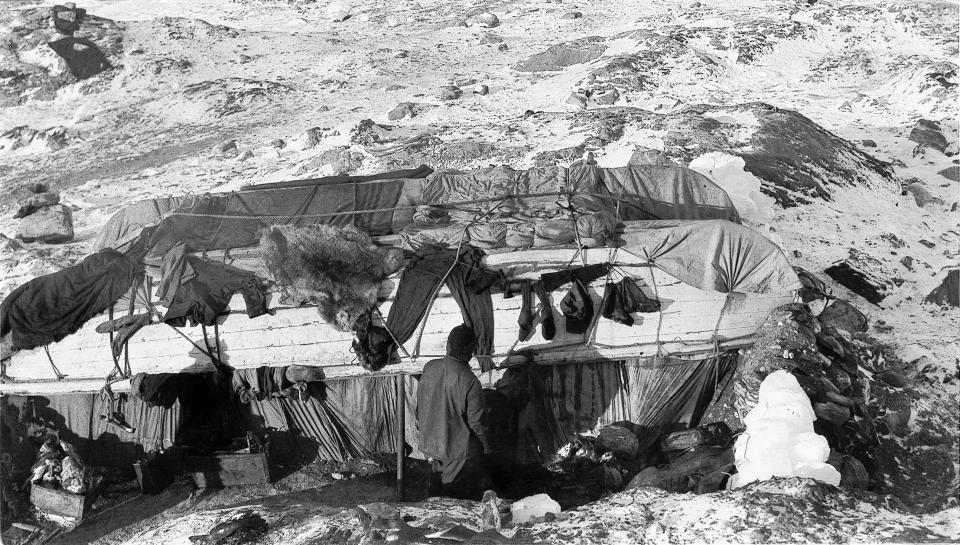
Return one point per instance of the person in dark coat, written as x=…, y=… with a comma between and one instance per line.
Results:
x=453, y=427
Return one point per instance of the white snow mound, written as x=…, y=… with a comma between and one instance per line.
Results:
x=779, y=440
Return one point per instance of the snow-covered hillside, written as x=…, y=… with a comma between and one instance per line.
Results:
x=802, y=112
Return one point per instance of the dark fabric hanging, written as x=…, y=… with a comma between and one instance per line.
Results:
x=198, y=290
x=48, y=308
x=577, y=308
x=469, y=284
x=624, y=298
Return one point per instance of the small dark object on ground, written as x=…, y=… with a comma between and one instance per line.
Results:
x=857, y=282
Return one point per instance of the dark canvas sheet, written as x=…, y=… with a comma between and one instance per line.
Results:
x=77, y=419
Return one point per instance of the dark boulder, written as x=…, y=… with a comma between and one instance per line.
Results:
x=842, y=315
x=927, y=133
x=560, y=56
x=52, y=225
x=36, y=202
x=948, y=292
x=857, y=281
x=618, y=440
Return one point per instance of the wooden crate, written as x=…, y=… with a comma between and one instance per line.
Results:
x=156, y=474
x=230, y=470
x=59, y=502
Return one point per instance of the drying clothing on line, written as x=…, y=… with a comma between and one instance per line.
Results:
x=468, y=282
x=258, y=383
x=48, y=308
x=123, y=328
x=548, y=327
x=198, y=290
x=552, y=281
x=622, y=299
x=577, y=308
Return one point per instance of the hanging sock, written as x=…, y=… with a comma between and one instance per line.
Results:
x=525, y=321
x=634, y=300
x=613, y=305
x=548, y=326
x=624, y=298
x=577, y=308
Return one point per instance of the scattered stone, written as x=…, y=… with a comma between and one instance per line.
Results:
x=898, y=420
x=948, y=292
x=487, y=38
x=892, y=378
x=338, y=11
x=278, y=143
x=951, y=173
x=853, y=474
x=560, y=56
x=650, y=476
x=714, y=482
x=842, y=315
x=907, y=262
x=244, y=156
x=695, y=5
x=36, y=202
x=486, y=20
x=857, y=281
x=572, y=15
x=8, y=244
x=927, y=243
x=450, y=92
x=38, y=187
x=869, y=143
x=577, y=99
x=531, y=507
x=831, y=412
x=481, y=90
x=51, y=225
x=606, y=97
x=491, y=506
x=921, y=195
x=402, y=54
x=619, y=440
x=404, y=109
x=308, y=139
x=503, y=47
x=927, y=133
x=796, y=254
x=228, y=149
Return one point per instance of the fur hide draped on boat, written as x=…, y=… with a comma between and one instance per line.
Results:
x=339, y=269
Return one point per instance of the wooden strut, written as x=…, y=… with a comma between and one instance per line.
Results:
x=401, y=432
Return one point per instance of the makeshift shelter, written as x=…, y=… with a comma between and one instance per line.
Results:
x=645, y=284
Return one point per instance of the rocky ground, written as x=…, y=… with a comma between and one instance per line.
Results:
x=809, y=116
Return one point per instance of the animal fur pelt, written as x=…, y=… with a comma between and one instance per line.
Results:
x=336, y=268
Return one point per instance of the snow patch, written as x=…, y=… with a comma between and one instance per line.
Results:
x=743, y=187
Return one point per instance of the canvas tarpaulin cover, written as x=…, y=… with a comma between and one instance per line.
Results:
x=643, y=192
x=383, y=203
x=555, y=403
x=301, y=202
x=357, y=416
x=76, y=417
x=713, y=255
x=341, y=419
